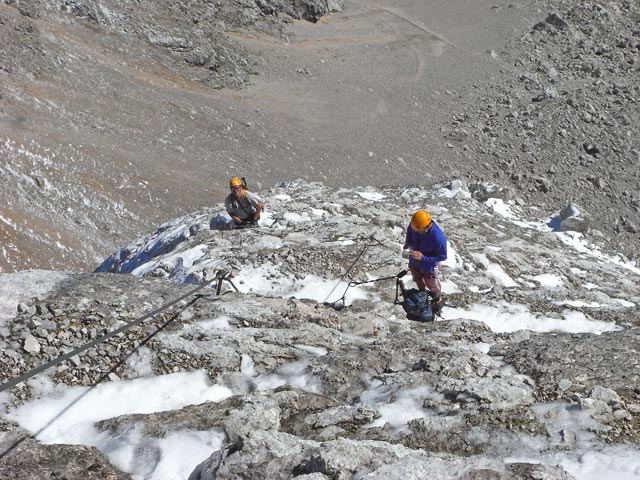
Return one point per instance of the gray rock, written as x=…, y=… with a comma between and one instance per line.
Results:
x=495, y=393
x=574, y=218
x=31, y=344
x=604, y=394
x=564, y=384
x=344, y=390
x=26, y=458
x=557, y=21
x=484, y=191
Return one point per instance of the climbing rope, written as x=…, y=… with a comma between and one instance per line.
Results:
x=372, y=241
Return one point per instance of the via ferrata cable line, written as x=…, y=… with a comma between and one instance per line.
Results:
x=219, y=277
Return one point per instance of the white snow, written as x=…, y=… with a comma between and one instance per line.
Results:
x=68, y=414
x=510, y=317
x=219, y=322
x=289, y=374
x=183, y=260
x=548, y=280
x=406, y=406
x=56, y=411
x=267, y=280
x=292, y=217
x=373, y=196
x=454, y=260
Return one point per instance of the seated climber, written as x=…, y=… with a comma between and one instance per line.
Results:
x=243, y=208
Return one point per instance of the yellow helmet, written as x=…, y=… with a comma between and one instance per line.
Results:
x=235, y=182
x=420, y=220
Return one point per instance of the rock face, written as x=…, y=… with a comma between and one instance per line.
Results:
x=25, y=458
x=320, y=389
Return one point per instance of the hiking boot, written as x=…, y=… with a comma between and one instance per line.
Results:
x=436, y=304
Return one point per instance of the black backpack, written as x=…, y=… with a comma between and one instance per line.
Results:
x=417, y=305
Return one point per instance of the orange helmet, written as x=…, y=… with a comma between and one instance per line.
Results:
x=420, y=220
x=235, y=182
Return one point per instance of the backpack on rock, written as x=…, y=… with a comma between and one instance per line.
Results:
x=417, y=305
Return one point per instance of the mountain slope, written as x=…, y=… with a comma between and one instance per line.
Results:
x=116, y=116
x=532, y=370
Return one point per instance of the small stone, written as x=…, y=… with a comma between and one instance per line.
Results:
x=557, y=21
x=568, y=437
x=31, y=344
x=622, y=415
x=591, y=149
x=564, y=384
x=604, y=394
x=572, y=218
x=40, y=181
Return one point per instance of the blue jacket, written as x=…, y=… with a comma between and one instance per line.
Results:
x=433, y=245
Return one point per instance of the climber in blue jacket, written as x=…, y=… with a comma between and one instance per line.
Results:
x=428, y=247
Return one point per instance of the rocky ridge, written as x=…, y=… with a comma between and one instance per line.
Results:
x=486, y=394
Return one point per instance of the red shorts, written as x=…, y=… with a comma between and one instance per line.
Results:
x=427, y=280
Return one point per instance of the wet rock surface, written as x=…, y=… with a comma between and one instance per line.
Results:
x=311, y=383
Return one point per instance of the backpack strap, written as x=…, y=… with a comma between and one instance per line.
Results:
x=243, y=206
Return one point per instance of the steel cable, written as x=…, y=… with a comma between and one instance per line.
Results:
x=82, y=348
